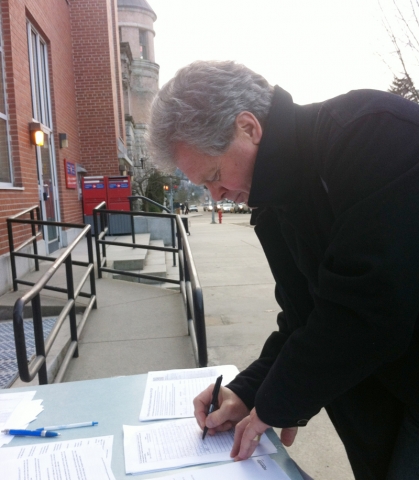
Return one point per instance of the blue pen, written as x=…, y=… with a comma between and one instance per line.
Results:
x=70, y=425
x=30, y=433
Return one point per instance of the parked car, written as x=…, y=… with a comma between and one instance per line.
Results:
x=241, y=208
x=193, y=208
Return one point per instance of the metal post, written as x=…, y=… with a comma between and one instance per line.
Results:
x=172, y=222
x=132, y=221
x=34, y=243
x=39, y=338
x=103, y=225
x=98, y=259
x=213, y=211
x=12, y=253
x=72, y=314
x=92, y=262
x=171, y=195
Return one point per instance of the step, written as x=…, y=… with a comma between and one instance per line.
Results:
x=155, y=264
x=126, y=258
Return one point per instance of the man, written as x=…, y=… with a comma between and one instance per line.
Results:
x=335, y=188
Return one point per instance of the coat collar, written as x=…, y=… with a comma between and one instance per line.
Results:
x=276, y=175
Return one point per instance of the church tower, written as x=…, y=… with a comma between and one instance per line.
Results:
x=140, y=76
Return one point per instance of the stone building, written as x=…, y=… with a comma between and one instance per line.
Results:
x=140, y=78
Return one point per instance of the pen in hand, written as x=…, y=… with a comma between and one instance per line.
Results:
x=214, y=401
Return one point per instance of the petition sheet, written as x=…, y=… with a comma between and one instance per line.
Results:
x=72, y=464
x=262, y=468
x=170, y=393
x=47, y=448
x=178, y=443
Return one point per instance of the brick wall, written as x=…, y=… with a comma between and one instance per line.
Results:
x=52, y=20
x=97, y=88
x=85, y=89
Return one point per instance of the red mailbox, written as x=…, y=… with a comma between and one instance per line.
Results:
x=94, y=192
x=119, y=189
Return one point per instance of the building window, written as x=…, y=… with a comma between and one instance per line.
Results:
x=5, y=164
x=143, y=45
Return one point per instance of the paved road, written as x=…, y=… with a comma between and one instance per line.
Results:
x=241, y=310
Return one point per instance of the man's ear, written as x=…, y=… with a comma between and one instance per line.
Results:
x=247, y=124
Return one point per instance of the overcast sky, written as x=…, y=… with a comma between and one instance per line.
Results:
x=315, y=49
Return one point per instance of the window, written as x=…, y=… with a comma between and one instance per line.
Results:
x=143, y=45
x=5, y=165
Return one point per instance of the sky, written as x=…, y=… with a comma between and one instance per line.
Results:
x=314, y=49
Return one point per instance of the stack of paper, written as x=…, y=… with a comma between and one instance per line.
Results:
x=17, y=410
x=87, y=459
x=178, y=443
x=170, y=393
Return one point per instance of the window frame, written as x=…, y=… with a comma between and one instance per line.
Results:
x=5, y=115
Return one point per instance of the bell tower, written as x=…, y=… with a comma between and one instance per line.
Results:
x=140, y=75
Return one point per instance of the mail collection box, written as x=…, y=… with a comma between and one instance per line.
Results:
x=118, y=191
x=94, y=192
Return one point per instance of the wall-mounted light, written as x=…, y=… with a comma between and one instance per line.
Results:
x=37, y=134
x=142, y=161
x=63, y=140
x=121, y=168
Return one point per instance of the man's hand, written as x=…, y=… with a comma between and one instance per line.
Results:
x=231, y=410
x=247, y=436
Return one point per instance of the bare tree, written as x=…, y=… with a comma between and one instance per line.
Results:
x=401, y=22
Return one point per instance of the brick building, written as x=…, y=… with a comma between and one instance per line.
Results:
x=60, y=71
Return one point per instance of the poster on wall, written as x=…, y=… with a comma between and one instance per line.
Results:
x=70, y=174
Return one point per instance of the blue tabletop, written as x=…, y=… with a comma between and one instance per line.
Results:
x=112, y=402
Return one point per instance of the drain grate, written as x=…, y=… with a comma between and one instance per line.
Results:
x=8, y=363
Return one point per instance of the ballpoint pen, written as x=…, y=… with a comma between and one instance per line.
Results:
x=30, y=433
x=214, y=401
x=70, y=425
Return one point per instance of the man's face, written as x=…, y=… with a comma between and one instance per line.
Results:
x=227, y=176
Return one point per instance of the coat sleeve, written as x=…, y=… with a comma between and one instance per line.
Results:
x=295, y=308
x=365, y=302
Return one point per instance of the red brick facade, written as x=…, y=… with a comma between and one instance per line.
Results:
x=86, y=96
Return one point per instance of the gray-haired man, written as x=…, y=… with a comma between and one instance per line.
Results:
x=335, y=191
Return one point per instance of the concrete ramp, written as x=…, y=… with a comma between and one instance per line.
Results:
x=136, y=328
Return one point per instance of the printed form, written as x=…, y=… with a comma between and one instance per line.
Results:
x=45, y=448
x=170, y=393
x=262, y=468
x=178, y=443
x=76, y=464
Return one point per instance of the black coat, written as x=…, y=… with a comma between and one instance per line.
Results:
x=337, y=190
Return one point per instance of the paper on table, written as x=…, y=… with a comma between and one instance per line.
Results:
x=178, y=443
x=263, y=468
x=73, y=464
x=170, y=393
x=45, y=447
x=19, y=409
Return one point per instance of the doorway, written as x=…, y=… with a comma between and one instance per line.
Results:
x=45, y=155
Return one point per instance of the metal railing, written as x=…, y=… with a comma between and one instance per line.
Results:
x=28, y=369
x=188, y=282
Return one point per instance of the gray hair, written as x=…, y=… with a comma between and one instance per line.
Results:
x=199, y=107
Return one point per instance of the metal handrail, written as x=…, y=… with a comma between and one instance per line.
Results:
x=172, y=222
x=188, y=282
x=28, y=370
